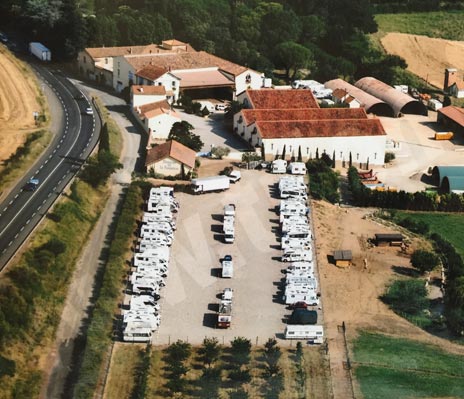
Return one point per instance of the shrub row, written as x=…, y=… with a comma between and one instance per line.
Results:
x=323, y=181
x=33, y=292
x=99, y=333
x=418, y=201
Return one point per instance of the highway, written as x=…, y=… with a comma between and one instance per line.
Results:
x=76, y=136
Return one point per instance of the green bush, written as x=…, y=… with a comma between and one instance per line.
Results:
x=323, y=181
x=407, y=296
x=424, y=261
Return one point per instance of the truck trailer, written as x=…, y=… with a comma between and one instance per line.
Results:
x=209, y=184
x=40, y=51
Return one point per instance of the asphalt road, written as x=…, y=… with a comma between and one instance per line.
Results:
x=75, y=138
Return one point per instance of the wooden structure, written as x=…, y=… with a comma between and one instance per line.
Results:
x=343, y=258
x=389, y=240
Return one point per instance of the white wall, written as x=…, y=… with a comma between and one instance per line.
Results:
x=121, y=71
x=160, y=126
x=141, y=99
x=169, y=82
x=361, y=147
x=241, y=84
x=167, y=167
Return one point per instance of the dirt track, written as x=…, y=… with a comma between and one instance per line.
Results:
x=426, y=57
x=18, y=93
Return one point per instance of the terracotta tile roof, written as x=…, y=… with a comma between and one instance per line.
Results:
x=203, y=78
x=281, y=99
x=173, y=42
x=148, y=90
x=101, y=52
x=151, y=72
x=154, y=109
x=320, y=128
x=454, y=113
x=252, y=115
x=339, y=93
x=171, y=149
x=184, y=60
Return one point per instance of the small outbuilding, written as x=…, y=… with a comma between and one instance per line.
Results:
x=343, y=258
x=389, y=240
x=170, y=159
x=452, y=118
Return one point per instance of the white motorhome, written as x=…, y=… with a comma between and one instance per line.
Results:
x=229, y=229
x=301, y=295
x=297, y=168
x=229, y=210
x=137, y=332
x=297, y=255
x=313, y=333
x=304, y=266
x=279, y=166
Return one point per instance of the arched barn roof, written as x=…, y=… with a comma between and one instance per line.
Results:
x=371, y=104
x=440, y=172
x=400, y=102
x=453, y=184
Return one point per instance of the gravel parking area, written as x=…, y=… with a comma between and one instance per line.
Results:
x=190, y=298
x=417, y=151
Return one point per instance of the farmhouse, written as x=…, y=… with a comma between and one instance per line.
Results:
x=197, y=73
x=157, y=119
x=290, y=122
x=170, y=159
x=452, y=118
x=142, y=95
x=157, y=76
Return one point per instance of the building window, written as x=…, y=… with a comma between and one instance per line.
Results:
x=85, y=59
x=375, y=155
x=341, y=154
x=240, y=119
x=307, y=150
x=272, y=146
x=159, y=83
x=357, y=156
x=119, y=73
x=290, y=148
x=248, y=78
x=106, y=60
x=173, y=83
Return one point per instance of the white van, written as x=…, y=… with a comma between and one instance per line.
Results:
x=279, y=166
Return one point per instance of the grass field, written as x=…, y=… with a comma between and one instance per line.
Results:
x=449, y=225
x=388, y=367
x=440, y=24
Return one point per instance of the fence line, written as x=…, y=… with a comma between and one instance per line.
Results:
x=100, y=391
x=348, y=360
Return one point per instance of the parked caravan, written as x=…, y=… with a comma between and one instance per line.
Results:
x=295, y=243
x=297, y=168
x=313, y=333
x=137, y=333
x=229, y=210
x=301, y=295
x=279, y=166
x=297, y=255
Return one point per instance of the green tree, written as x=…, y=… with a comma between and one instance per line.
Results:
x=220, y=152
x=300, y=157
x=424, y=261
x=241, y=349
x=182, y=132
x=293, y=57
x=210, y=351
x=407, y=296
x=179, y=351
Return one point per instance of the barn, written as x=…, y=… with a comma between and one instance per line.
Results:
x=451, y=118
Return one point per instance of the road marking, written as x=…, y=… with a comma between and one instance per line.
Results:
x=38, y=209
x=17, y=195
x=41, y=166
x=16, y=235
x=21, y=229
x=4, y=251
x=9, y=203
x=9, y=244
x=33, y=215
x=79, y=126
x=5, y=208
x=44, y=201
x=28, y=221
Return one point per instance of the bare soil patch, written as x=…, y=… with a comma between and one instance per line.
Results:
x=352, y=294
x=426, y=57
x=18, y=101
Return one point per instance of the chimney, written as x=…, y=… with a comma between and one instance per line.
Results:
x=450, y=78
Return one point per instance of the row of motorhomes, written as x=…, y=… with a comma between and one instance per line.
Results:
x=300, y=287
x=282, y=166
x=150, y=265
x=229, y=223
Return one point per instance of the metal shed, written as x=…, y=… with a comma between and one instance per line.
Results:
x=440, y=172
x=371, y=104
x=389, y=240
x=453, y=184
x=399, y=101
x=343, y=258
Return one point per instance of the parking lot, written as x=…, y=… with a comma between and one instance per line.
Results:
x=191, y=295
x=417, y=151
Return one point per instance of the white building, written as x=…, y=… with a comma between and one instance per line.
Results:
x=157, y=119
x=291, y=120
x=142, y=95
